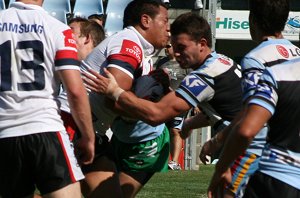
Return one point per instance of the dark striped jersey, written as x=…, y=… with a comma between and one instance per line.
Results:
x=278, y=91
x=215, y=87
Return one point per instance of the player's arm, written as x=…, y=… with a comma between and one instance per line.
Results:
x=198, y=121
x=80, y=110
x=125, y=82
x=168, y=107
x=237, y=142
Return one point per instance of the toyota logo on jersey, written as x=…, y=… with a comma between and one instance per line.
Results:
x=282, y=51
x=130, y=48
x=69, y=40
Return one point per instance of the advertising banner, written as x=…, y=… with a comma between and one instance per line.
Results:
x=233, y=24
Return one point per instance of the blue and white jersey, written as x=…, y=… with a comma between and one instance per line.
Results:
x=132, y=54
x=268, y=53
x=215, y=87
x=278, y=91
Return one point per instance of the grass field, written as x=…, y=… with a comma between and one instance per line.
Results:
x=178, y=184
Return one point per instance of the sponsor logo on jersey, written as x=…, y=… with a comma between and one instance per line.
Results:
x=282, y=51
x=69, y=40
x=132, y=49
x=224, y=61
x=194, y=84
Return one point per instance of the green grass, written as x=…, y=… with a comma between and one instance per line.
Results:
x=187, y=184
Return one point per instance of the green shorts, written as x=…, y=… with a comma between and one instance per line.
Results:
x=148, y=156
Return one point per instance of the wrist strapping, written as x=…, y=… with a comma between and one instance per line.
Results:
x=116, y=94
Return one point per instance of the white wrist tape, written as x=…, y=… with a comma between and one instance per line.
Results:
x=116, y=94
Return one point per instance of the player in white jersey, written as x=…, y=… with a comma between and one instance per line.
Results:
x=37, y=53
x=88, y=34
x=127, y=54
x=275, y=62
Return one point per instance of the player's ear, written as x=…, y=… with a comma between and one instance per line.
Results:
x=145, y=21
x=203, y=42
x=88, y=38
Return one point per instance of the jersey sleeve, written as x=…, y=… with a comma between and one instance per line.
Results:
x=66, y=53
x=127, y=57
x=251, y=72
x=195, y=89
x=265, y=94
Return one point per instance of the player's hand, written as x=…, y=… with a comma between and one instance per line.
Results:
x=218, y=182
x=162, y=77
x=185, y=131
x=99, y=83
x=207, y=150
x=86, y=150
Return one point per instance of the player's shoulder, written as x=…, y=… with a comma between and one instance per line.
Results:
x=125, y=35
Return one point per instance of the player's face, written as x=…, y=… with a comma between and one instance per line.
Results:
x=75, y=27
x=188, y=53
x=80, y=40
x=159, y=29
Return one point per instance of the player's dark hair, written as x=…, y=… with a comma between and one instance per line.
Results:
x=100, y=17
x=269, y=15
x=136, y=8
x=95, y=30
x=193, y=25
x=77, y=19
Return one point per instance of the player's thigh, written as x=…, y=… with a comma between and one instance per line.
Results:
x=101, y=179
x=133, y=182
x=69, y=191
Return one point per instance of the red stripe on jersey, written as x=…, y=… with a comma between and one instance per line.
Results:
x=66, y=54
x=124, y=58
x=66, y=157
x=69, y=39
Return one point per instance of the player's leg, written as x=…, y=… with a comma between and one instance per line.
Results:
x=175, y=148
x=71, y=191
x=101, y=177
x=133, y=182
x=175, y=126
x=101, y=180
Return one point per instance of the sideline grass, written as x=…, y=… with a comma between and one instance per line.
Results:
x=178, y=184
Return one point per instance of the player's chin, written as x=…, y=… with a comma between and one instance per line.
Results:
x=183, y=65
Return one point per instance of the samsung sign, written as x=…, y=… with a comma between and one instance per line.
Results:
x=231, y=24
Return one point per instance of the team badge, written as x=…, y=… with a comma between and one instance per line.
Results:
x=194, y=84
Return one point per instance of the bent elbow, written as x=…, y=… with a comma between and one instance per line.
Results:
x=155, y=119
x=246, y=133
